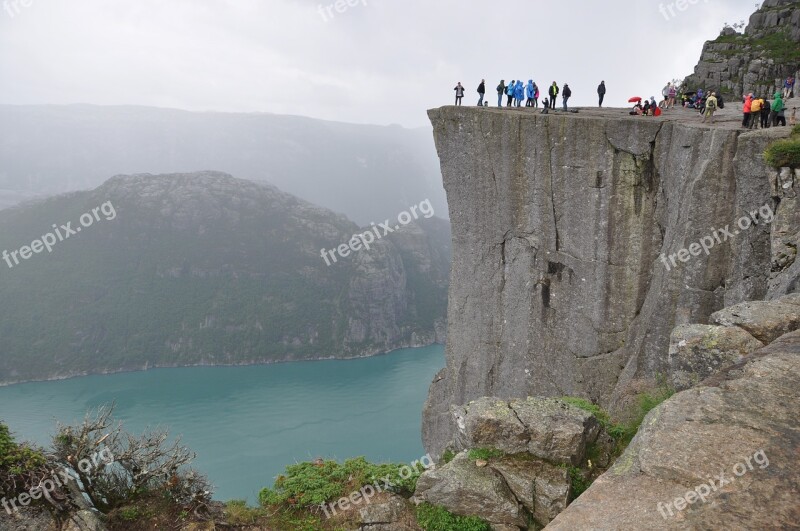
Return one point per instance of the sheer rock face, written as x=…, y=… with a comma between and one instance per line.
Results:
x=563, y=227
x=738, y=64
x=723, y=455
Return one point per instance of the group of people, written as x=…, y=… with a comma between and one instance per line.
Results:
x=518, y=92
x=756, y=110
x=760, y=111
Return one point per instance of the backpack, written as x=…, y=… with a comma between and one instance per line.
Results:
x=720, y=102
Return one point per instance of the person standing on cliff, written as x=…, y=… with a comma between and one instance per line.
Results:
x=777, y=114
x=529, y=91
x=510, y=93
x=501, y=89
x=673, y=92
x=519, y=93
x=481, y=92
x=553, y=93
x=755, y=112
x=459, y=93
x=566, y=95
x=746, y=109
x=536, y=95
x=765, y=112
x=711, y=107
x=601, y=92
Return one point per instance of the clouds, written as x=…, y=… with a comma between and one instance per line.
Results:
x=379, y=61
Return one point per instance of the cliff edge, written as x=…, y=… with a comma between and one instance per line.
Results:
x=577, y=247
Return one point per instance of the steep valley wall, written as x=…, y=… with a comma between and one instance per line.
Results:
x=559, y=222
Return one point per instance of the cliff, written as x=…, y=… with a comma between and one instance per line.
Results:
x=563, y=227
x=758, y=60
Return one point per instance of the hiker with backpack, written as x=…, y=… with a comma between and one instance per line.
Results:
x=501, y=89
x=553, y=93
x=711, y=107
x=459, y=93
x=788, y=88
x=755, y=112
x=481, y=92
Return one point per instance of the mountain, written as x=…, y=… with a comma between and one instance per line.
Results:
x=203, y=268
x=758, y=60
x=363, y=171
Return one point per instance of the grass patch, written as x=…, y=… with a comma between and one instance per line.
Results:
x=313, y=484
x=485, y=453
x=448, y=456
x=785, y=152
x=578, y=481
x=433, y=518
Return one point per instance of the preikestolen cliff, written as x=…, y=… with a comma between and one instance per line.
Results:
x=231, y=301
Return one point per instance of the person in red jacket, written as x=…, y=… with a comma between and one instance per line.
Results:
x=748, y=103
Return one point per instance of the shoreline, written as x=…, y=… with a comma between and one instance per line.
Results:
x=241, y=364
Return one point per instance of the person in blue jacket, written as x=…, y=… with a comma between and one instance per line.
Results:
x=510, y=93
x=519, y=93
x=530, y=93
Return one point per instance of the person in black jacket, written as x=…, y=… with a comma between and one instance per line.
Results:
x=566, y=93
x=601, y=91
x=553, y=93
x=501, y=90
x=481, y=92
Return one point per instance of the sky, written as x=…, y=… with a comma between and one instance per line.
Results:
x=372, y=61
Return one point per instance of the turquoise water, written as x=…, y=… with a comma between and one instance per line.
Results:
x=247, y=423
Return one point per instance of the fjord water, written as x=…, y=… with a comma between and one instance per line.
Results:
x=247, y=423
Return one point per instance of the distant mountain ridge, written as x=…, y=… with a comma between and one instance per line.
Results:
x=366, y=172
x=205, y=268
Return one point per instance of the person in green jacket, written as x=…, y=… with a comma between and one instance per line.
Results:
x=777, y=115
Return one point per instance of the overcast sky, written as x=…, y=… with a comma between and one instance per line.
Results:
x=379, y=61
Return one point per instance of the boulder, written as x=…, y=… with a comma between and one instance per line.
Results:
x=394, y=514
x=557, y=431
x=467, y=490
x=84, y=520
x=491, y=423
x=697, y=351
x=740, y=433
x=764, y=320
x=542, y=488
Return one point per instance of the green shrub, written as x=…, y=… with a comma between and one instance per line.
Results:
x=20, y=464
x=796, y=130
x=485, y=453
x=577, y=480
x=448, y=456
x=308, y=484
x=433, y=518
x=784, y=153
